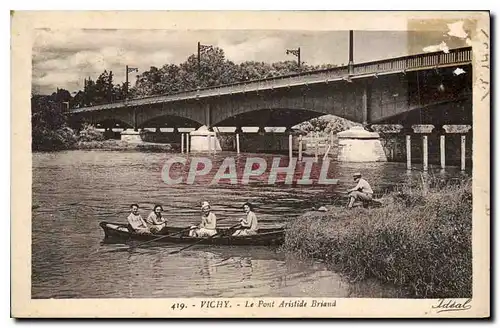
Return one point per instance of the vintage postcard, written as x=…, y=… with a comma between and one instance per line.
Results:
x=250, y=164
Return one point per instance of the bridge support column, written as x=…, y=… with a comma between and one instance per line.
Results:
x=300, y=147
x=238, y=131
x=108, y=133
x=408, y=151
x=359, y=145
x=442, y=150
x=462, y=152
x=441, y=132
x=408, y=131
x=182, y=143
x=208, y=116
x=425, y=152
x=136, y=129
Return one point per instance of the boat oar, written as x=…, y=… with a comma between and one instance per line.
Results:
x=203, y=239
x=150, y=241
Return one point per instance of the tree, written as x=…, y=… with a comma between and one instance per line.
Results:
x=252, y=70
x=214, y=70
x=78, y=100
x=103, y=88
x=50, y=130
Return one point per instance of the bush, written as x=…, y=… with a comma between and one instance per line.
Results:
x=420, y=242
x=90, y=133
x=49, y=140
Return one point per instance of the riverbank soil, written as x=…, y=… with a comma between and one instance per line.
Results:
x=420, y=240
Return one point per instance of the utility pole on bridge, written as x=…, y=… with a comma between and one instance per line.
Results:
x=127, y=71
x=351, y=52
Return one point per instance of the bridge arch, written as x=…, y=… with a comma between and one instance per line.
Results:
x=270, y=117
x=168, y=121
x=186, y=112
x=104, y=120
x=292, y=106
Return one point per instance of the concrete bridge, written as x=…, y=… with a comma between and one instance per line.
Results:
x=428, y=88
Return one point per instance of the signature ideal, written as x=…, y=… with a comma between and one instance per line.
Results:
x=445, y=305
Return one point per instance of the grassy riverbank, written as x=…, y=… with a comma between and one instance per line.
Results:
x=420, y=242
x=118, y=145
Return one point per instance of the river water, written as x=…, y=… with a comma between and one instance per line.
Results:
x=74, y=190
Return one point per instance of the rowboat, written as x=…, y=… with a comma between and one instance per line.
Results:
x=264, y=236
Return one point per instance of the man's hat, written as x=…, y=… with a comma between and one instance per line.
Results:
x=357, y=174
x=205, y=204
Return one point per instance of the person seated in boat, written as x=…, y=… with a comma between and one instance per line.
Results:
x=156, y=221
x=248, y=223
x=362, y=191
x=135, y=222
x=208, y=224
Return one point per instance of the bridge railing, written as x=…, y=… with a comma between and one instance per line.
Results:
x=435, y=59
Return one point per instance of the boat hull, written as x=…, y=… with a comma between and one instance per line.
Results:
x=264, y=237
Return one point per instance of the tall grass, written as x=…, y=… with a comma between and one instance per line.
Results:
x=420, y=242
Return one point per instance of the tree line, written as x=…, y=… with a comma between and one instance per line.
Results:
x=214, y=69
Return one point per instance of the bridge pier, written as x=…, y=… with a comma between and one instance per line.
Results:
x=203, y=140
x=132, y=136
x=427, y=144
x=300, y=147
x=359, y=145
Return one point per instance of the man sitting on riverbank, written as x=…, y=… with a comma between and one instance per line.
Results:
x=362, y=191
x=135, y=222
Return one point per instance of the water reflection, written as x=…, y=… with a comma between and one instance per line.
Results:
x=73, y=191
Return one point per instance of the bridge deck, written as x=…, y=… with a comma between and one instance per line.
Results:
x=425, y=61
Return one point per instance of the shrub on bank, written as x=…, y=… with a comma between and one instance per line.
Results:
x=90, y=133
x=51, y=140
x=420, y=242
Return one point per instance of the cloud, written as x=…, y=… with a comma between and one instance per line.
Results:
x=438, y=47
x=251, y=48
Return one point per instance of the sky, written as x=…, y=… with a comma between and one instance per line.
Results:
x=64, y=58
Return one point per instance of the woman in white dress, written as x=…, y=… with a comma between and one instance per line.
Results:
x=249, y=224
